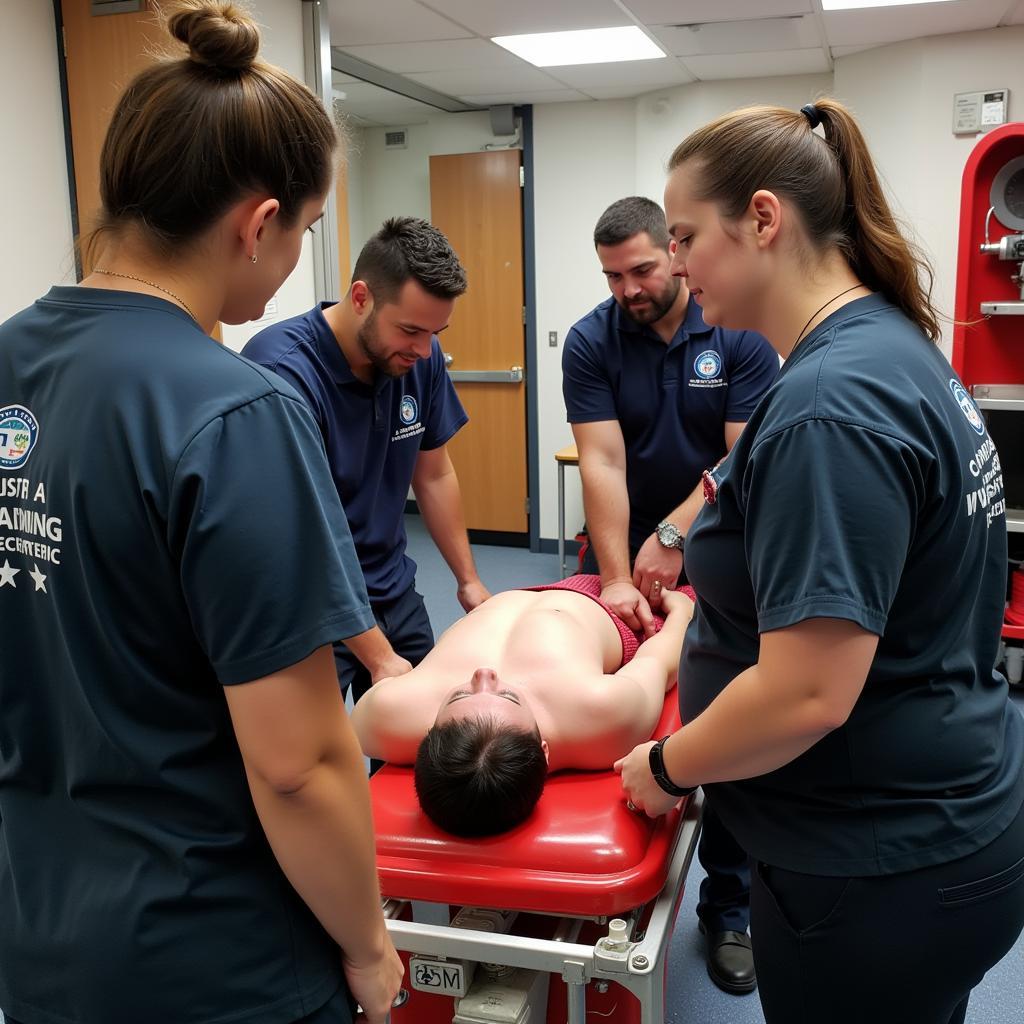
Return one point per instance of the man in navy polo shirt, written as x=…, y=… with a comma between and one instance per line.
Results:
x=655, y=397
x=372, y=371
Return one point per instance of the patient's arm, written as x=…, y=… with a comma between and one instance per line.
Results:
x=620, y=711
x=393, y=716
x=656, y=664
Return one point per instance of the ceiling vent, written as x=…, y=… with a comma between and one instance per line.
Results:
x=396, y=138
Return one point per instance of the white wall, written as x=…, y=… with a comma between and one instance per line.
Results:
x=583, y=161
x=665, y=118
x=38, y=247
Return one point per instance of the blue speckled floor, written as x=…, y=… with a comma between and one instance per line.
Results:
x=692, y=998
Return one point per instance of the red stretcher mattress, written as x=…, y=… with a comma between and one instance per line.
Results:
x=582, y=852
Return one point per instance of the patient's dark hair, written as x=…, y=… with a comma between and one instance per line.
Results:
x=478, y=777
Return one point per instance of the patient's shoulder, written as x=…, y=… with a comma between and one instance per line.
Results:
x=392, y=717
x=600, y=727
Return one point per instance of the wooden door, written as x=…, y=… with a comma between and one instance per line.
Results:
x=476, y=200
x=102, y=55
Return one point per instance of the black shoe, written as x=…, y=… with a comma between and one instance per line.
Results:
x=730, y=961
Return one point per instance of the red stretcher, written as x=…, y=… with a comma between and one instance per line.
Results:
x=566, y=918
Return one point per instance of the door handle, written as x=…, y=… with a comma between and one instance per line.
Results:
x=513, y=375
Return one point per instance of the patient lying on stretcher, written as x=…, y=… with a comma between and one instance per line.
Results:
x=530, y=682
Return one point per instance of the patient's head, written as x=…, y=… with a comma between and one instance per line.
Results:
x=481, y=767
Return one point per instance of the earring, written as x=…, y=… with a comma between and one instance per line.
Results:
x=254, y=257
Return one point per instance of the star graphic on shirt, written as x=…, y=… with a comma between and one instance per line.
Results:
x=7, y=574
x=38, y=579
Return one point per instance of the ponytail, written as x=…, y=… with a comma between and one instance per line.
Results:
x=873, y=244
x=833, y=183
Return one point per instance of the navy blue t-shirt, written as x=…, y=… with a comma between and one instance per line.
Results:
x=865, y=487
x=167, y=527
x=671, y=401
x=373, y=434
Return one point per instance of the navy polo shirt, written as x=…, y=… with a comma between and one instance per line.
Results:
x=866, y=487
x=373, y=434
x=167, y=527
x=671, y=401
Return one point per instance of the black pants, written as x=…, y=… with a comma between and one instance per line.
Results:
x=724, y=903
x=404, y=621
x=894, y=949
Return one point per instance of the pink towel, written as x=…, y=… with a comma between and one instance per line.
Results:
x=590, y=586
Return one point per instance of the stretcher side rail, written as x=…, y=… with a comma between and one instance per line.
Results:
x=641, y=969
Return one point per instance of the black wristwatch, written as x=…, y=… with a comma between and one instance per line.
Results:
x=657, y=762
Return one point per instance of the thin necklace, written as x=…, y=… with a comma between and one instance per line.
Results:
x=827, y=304
x=152, y=284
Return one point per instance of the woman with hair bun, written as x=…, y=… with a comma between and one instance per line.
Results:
x=850, y=561
x=185, y=831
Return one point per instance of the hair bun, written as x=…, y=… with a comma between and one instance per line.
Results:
x=218, y=34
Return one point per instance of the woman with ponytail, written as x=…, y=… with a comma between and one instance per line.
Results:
x=837, y=679
x=185, y=832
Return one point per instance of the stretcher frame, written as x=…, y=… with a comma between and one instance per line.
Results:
x=640, y=967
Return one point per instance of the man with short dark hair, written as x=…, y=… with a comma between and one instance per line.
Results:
x=655, y=397
x=371, y=369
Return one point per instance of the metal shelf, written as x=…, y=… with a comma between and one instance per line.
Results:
x=1008, y=308
x=1006, y=397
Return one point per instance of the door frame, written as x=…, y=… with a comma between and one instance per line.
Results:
x=525, y=114
x=69, y=153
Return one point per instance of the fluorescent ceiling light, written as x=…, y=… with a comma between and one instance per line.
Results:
x=849, y=5
x=587, y=46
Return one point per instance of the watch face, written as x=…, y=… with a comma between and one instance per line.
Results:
x=669, y=535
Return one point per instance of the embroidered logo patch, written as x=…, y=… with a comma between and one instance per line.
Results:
x=708, y=364
x=408, y=410
x=970, y=410
x=19, y=431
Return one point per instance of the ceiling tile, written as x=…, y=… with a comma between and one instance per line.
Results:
x=796, y=32
x=876, y=27
x=661, y=72
x=387, y=21
x=546, y=96
x=758, y=65
x=473, y=81
x=504, y=18
x=672, y=12
x=441, y=55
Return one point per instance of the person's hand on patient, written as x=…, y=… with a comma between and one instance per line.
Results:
x=656, y=563
x=375, y=985
x=638, y=783
x=392, y=664
x=630, y=605
x=472, y=594
x=673, y=603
